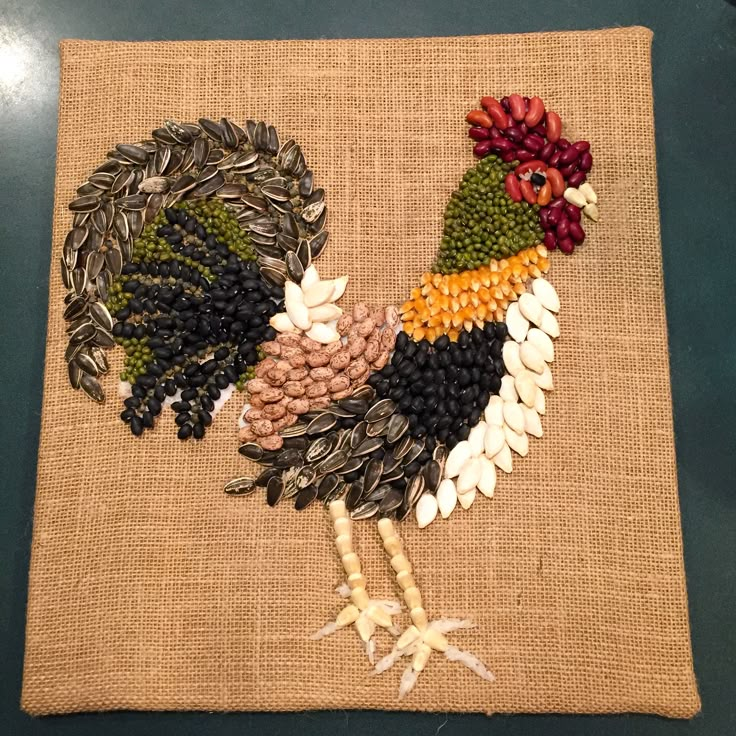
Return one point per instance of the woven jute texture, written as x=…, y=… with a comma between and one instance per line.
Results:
x=150, y=589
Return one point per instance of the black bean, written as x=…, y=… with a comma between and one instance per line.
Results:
x=185, y=432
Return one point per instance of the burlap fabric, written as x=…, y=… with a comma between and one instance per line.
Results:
x=150, y=589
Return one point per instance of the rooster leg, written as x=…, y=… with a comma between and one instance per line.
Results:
x=422, y=637
x=363, y=612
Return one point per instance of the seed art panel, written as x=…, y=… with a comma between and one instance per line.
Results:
x=194, y=297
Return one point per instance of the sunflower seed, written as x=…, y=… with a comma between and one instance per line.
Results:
x=405, y=444
x=318, y=449
x=294, y=268
x=251, y=450
x=378, y=428
x=88, y=203
x=79, y=280
x=132, y=202
x=100, y=358
x=357, y=407
x=95, y=263
x=91, y=386
x=355, y=493
x=322, y=423
x=136, y=154
x=358, y=434
x=378, y=493
x=414, y=452
x=305, y=497
x=372, y=476
x=365, y=510
x=240, y=486
x=75, y=374
x=260, y=137
x=75, y=308
x=317, y=245
x=274, y=490
x=380, y=410
x=353, y=464
x=183, y=184
x=391, y=501
x=209, y=187
x=327, y=485
x=414, y=489
x=432, y=474
x=333, y=462
x=103, y=338
x=288, y=459
x=306, y=183
x=367, y=446
x=397, y=425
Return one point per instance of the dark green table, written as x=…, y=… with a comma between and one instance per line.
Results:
x=695, y=105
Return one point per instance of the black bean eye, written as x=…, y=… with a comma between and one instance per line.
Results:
x=538, y=179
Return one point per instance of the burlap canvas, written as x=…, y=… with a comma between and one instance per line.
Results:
x=150, y=589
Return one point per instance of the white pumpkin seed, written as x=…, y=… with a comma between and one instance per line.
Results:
x=511, y=358
x=530, y=307
x=310, y=278
x=493, y=440
x=513, y=416
x=542, y=342
x=517, y=441
x=340, y=286
x=532, y=422
x=508, y=390
x=487, y=482
x=475, y=439
x=531, y=358
x=526, y=387
x=546, y=293
x=292, y=293
x=494, y=411
x=540, y=402
x=517, y=324
x=322, y=333
x=544, y=379
x=459, y=455
x=426, y=510
x=281, y=323
x=299, y=315
x=446, y=498
x=549, y=324
x=574, y=196
x=325, y=313
x=591, y=211
x=503, y=459
x=466, y=499
x=469, y=476
x=319, y=293
x=588, y=192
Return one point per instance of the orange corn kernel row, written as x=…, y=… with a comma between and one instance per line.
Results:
x=446, y=304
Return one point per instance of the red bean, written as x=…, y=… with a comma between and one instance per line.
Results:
x=558, y=202
x=514, y=134
x=563, y=143
x=544, y=194
x=479, y=134
x=523, y=128
x=544, y=218
x=576, y=232
x=555, y=213
x=567, y=245
x=505, y=104
x=495, y=132
x=512, y=187
x=487, y=101
x=527, y=191
x=549, y=240
x=501, y=144
x=518, y=108
x=508, y=156
x=586, y=161
x=523, y=155
x=554, y=127
x=494, y=109
x=547, y=150
x=482, y=148
x=569, y=155
x=533, y=143
x=572, y=212
x=556, y=182
x=581, y=146
x=554, y=158
x=576, y=179
x=533, y=165
x=478, y=117
x=535, y=113
x=563, y=227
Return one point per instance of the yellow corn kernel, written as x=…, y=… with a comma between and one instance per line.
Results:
x=426, y=278
x=463, y=298
x=474, y=299
x=534, y=272
x=453, y=333
x=419, y=333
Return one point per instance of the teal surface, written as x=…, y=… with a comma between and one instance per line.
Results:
x=695, y=106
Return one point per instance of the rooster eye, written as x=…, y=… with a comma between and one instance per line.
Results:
x=538, y=179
